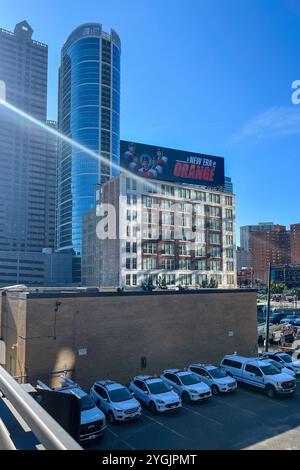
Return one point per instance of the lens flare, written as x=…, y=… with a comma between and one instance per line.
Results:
x=66, y=139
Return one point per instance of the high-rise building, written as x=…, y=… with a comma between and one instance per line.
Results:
x=295, y=244
x=27, y=153
x=246, y=231
x=89, y=113
x=269, y=246
x=164, y=233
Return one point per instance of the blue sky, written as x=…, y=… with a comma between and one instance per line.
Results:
x=211, y=76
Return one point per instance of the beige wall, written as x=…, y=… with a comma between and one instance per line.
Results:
x=169, y=330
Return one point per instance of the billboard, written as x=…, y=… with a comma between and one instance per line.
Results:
x=167, y=164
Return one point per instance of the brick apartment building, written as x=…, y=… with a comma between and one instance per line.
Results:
x=269, y=246
x=295, y=244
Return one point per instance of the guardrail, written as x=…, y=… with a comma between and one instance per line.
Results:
x=49, y=433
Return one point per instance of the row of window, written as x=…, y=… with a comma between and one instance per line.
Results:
x=183, y=279
x=182, y=193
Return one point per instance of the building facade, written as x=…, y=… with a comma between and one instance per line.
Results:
x=246, y=230
x=269, y=246
x=35, y=269
x=27, y=179
x=123, y=334
x=295, y=244
x=89, y=113
x=163, y=234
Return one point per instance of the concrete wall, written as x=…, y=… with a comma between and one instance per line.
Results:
x=170, y=330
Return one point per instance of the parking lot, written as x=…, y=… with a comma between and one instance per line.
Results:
x=244, y=419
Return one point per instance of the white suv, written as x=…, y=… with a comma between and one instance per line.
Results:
x=285, y=359
x=155, y=393
x=216, y=377
x=188, y=385
x=115, y=400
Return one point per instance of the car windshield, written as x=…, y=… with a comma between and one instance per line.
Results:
x=286, y=358
x=218, y=373
x=270, y=370
x=189, y=379
x=86, y=403
x=120, y=394
x=158, y=387
x=276, y=364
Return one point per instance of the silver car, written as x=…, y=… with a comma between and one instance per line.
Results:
x=216, y=377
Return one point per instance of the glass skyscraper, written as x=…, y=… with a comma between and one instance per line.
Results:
x=89, y=113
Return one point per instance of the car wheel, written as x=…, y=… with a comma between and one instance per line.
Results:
x=185, y=397
x=270, y=391
x=215, y=390
x=110, y=417
x=152, y=407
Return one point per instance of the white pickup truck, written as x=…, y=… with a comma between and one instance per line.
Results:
x=260, y=374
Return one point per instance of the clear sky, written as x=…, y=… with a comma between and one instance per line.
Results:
x=211, y=76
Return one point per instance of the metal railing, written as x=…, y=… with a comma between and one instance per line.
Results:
x=49, y=433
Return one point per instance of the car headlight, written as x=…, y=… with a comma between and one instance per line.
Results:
x=194, y=391
x=160, y=402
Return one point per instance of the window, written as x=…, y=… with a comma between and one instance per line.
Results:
x=167, y=249
x=253, y=370
x=230, y=279
x=215, y=265
x=229, y=226
x=128, y=215
x=214, y=238
x=184, y=264
x=134, y=279
x=228, y=200
x=213, y=211
x=150, y=248
x=127, y=247
x=167, y=219
x=215, y=198
x=229, y=265
x=200, y=196
x=228, y=213
x=200, y=251
x=149, y=263
x=133, y=185
x=229, y=253
x=214, y=224
x=128, y=183
x=169, y=279
x=185, y=279
x=166, y=204
x=184, y=250
x=184, y=193
x=128, y=263
x=134, y=263
x=229, y=240
x=232, y=363
x=200, y=265
x=134, y=247
x=168, y=264
x=127, y=279
x=140, y=385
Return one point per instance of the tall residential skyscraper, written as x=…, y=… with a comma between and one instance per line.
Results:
x=88, y=112
x=27, y=176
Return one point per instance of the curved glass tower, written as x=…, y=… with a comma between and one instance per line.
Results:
x=88, y=112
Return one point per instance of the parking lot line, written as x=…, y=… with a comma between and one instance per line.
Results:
x=236, y=407
x=122, y=440
x=166, y=427
x=203, y=416
x=283, y=405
